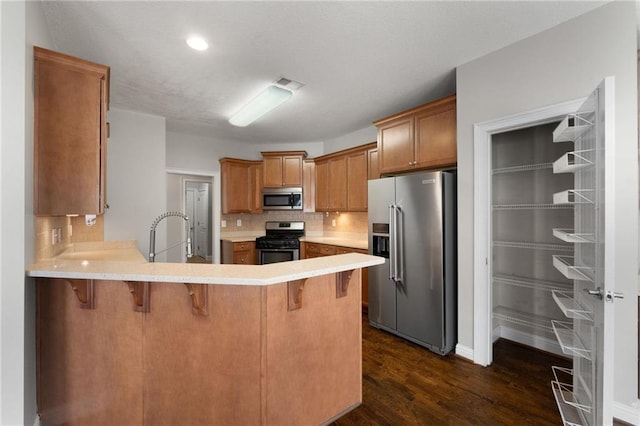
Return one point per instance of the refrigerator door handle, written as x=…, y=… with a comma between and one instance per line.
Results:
x=392, y=236
x=399, y=231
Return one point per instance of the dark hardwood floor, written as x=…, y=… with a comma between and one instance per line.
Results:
x=405, y=384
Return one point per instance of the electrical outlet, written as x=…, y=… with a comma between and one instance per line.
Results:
x=333, y=222
x=54, y=237
x=239, y=223
x=223, y=223
x=59, y=232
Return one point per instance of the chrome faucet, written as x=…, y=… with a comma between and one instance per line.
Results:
x=152, y=241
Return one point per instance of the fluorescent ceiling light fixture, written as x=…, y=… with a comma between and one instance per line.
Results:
x=197, y=43
x=270, y=98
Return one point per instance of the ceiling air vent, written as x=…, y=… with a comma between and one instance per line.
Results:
x=287, y=83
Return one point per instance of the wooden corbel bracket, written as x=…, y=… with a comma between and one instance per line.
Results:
x=140, y=292
x=199, y=298
x=342, y=282
x=294, y=294
x=84, y=292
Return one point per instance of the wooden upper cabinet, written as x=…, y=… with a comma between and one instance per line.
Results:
x=322, y=185
x=282, y=168
x=237, y=185
x=420, y=138
x=357, y=181
x=373, y=167
x=255, y=186
x=70, y=133
x=309, y=185
x=435, y=134
x=338, y=184
x=395, y=144
x=341, y=180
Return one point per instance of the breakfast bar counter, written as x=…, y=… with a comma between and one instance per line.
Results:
x=123, y=341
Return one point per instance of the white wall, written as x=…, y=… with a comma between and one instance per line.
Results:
x=13, y=80
x=136, y=178
x=359, y=137
x=200, y=153
x=563, y=63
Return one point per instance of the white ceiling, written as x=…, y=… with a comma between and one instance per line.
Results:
x=360, y=61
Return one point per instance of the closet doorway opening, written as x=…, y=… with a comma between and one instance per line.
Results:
x=514, y=219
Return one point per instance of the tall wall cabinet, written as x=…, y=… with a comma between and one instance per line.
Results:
x=71, y=102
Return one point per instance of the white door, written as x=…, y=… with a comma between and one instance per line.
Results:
x=202, y=222
x=588, y=333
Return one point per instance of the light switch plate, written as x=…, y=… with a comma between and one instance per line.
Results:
x=223, y=223
x=239, y=222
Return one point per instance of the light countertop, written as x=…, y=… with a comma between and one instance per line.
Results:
x=121, y=261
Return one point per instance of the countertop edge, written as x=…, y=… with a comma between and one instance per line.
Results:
x=256, y=275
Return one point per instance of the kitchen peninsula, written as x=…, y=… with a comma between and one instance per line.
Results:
x=123, y=341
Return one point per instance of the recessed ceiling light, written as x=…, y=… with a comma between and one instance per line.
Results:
x=197, y=43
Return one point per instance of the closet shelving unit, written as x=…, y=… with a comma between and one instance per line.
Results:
x=524, y=215
x=573, y=392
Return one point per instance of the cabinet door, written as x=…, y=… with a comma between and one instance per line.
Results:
x=292, y=170
x=338, y=184
x=436, y=137
x=309, y=185
x=373, y=168
x=236, y=186
x=70, y=134
x=357, y=175
x=395, y=145
x=256, y=184
x=272, y=168
x=322, y=186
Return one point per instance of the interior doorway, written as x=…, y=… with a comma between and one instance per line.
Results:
x=197, y=196
x=198, y=206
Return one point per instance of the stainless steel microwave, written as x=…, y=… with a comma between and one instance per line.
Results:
x=282, y=199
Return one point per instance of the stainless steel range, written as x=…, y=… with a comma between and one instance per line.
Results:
x=281, y=242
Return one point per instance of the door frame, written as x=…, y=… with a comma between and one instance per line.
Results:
x=214, y=179
x=482, y=223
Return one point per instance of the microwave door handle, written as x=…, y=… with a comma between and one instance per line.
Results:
x=291, y=200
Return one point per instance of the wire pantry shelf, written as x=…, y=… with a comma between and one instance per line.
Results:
x=571, y=162
x=570, y=128
x=532, y=206
x=569, y=341
x=570, y=410
x=569, y=307
x=570, y=236
x=522, y=168
x=573, y=196
x=564, y=264
x=533, y=246
x=532, y=283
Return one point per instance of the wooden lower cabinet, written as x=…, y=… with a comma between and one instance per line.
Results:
x=311, y=250
x=247, y=361
x=238, y=253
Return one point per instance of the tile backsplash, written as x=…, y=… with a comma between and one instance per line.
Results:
x=55, y=233
x=316, y=224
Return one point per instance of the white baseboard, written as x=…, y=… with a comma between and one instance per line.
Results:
x=627, y=413
x=464, y=352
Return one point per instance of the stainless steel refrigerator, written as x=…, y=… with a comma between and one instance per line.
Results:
x=412, y=223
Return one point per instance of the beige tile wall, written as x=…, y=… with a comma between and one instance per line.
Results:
x=72, y=230
x=316, y=224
